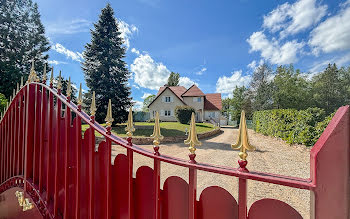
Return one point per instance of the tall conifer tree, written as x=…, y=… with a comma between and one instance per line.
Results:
x=105, y=70
x=22, y=39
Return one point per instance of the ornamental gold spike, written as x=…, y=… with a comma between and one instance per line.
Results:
x=14, y=93
x=59, y=83
x=93, y=105
x=44, y=75
x=130, y=125
x=51, y=78
x=69, y=88
x=17, y=88
x=21, y=85
x=192, y=139
x=243, y=141
x=109, y=118
x=80, y=96
x=156, y=131
x=32, y=75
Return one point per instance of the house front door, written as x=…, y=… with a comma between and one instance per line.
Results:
x=198, y=116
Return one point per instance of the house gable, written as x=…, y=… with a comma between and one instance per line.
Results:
x=176, y=90
x=193, y=91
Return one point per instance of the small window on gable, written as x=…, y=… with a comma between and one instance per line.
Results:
x=198, y=99
x=167, y=113
x=167, y=99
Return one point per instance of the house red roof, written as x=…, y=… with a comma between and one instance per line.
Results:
x=193, y=91
x=213, y=102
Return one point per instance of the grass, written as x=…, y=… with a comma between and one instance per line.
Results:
x=166, y=128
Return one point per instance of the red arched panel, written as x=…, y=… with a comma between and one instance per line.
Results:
x=272, y=209
x=120, y=187
x=144, y=193
x=216, y=202
x=175, y=198
x=101, y=172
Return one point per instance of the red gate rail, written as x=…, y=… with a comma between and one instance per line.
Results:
x=43, y=150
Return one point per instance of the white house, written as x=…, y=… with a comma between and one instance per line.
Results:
x=207, y=106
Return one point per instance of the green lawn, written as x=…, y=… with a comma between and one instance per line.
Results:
x=166, y=129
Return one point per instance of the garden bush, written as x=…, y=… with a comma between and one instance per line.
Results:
x=293, y=126
x=183, y=114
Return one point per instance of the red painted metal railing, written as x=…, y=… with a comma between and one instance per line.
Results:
x=43, y=150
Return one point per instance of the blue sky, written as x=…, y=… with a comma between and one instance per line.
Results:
x=215, y=44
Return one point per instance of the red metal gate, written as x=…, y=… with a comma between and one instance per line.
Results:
x=43, y=151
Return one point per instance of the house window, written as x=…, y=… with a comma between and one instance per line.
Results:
x=197, y=99
x=167, y=99
x=212, y=114
x=167, y=113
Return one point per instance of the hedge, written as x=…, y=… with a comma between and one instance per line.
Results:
x=183, y=114
x=293, y=126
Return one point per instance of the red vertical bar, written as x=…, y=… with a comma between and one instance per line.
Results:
x=192, y=193
x=8, y=130
x=42, y=137
x=242, y=198
x=57, y=145
x=130, y=183
x=66, y=160
x=10, y=160
x=77, y=165
x=3, y=140
x=36, y=150
x=29, y=132
x=50, y=149
x=109, y=178
x=23, y=127
x=91, y=172
x=19, y=146
x=15, y=158
x=157, y=188
x=2, y=148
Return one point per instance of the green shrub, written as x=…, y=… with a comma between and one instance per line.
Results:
x=183, y=114
x=3, y=102
x=293, y=126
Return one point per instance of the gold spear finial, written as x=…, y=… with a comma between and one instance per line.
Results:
x=80, y=96
x=21, y=85
x=51, y=78
x=14, y=93
x=93, y=105
x=59, y=83
x=130, y=125
x=17, y=88
x=156, y=134
x=69, y=88
x=44, y=75
x=109, y=118
x=243, y=141
x=32, y=75
x=192, y=139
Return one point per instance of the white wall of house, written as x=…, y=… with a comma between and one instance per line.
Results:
x=165, y=104
x=198, y=105
x=212, y=114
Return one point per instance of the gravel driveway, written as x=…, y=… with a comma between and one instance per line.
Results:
x=271, y=155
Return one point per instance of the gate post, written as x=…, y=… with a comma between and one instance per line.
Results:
x=330, y=170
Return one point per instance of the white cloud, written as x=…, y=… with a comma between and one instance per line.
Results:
x=186, y=82
x=333, y=34
x=137, y=105
x=340, y=60
x=55, y=62
x=135, y=86
x=137, y=52
x=145, y=95
x=68, y=27
x=152, y=75
x=273, y=51
x=148, y=73
x=76, y=56
x=294, y=18
x=126, y=31
x=200, y=72
x=227, y=84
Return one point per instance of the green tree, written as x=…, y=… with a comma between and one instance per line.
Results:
x=327, y=89
x=240, y=101
x=174, y=79
x=290, y=89
x=345, y=83
x=105, y=70
x=227, y=107
x=147, y=101
x=261, y=88
x=3, y=102
x=22, y=39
